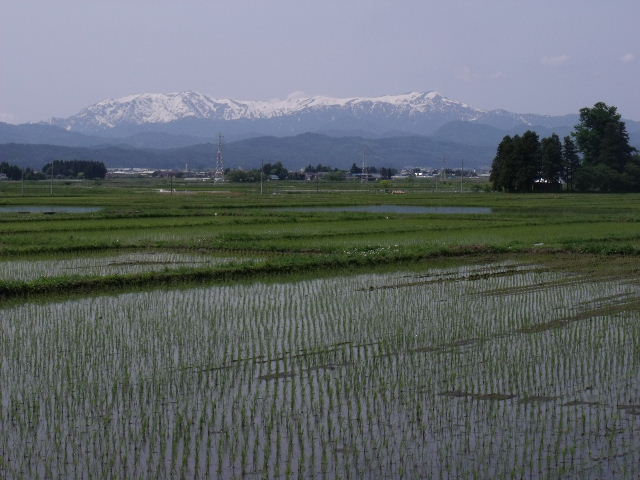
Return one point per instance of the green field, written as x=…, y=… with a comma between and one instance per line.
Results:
x=212, y=333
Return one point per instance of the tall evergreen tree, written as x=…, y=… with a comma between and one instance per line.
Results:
x=501, y=166
x=526, y=158
x=551, y=159
x=570, y=162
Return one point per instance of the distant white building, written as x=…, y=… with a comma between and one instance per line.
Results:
x=129, y=172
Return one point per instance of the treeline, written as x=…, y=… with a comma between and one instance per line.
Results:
x=524, y=163
x=13, y=172
x=268, y=169
x=596, y=157
x=278, y=170
x=61, y=168
x=75, y=169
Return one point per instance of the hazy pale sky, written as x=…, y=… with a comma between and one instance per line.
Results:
x=543, y=56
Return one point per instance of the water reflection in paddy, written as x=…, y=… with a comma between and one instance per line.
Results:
x=47, y=209
x=398, y=209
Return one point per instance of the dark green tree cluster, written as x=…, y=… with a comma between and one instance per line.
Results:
x=275, y=169
x=520, y=161
x=355, y=169
x=319, y=168
x=12, y=172
x=608, y=164
x=608, y=161
x=76, y=169
x=243, y=176
x=387, y=173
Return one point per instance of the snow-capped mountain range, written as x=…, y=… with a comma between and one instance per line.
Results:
x=164, y=108
x=200, y=115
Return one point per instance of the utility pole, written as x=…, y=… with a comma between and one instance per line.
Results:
x=171, y=183
x=364, y=155
x=461, y=174
x=261, y=173
x=22, y=181
x=444, y=170
x=51, y=184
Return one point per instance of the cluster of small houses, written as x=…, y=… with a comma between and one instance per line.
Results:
x=404, y=174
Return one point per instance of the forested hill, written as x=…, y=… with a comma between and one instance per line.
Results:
x=294, y=152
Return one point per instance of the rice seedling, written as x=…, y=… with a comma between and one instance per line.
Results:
x=30, y=269
x=497, y=370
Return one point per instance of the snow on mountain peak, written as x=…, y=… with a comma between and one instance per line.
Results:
x=148, y=108
x=156, y=108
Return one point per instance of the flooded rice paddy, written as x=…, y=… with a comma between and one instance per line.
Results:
x=48, y=209
x=504, y=370
x=26, y=270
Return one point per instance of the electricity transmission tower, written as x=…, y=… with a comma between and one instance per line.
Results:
x=218, y=176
